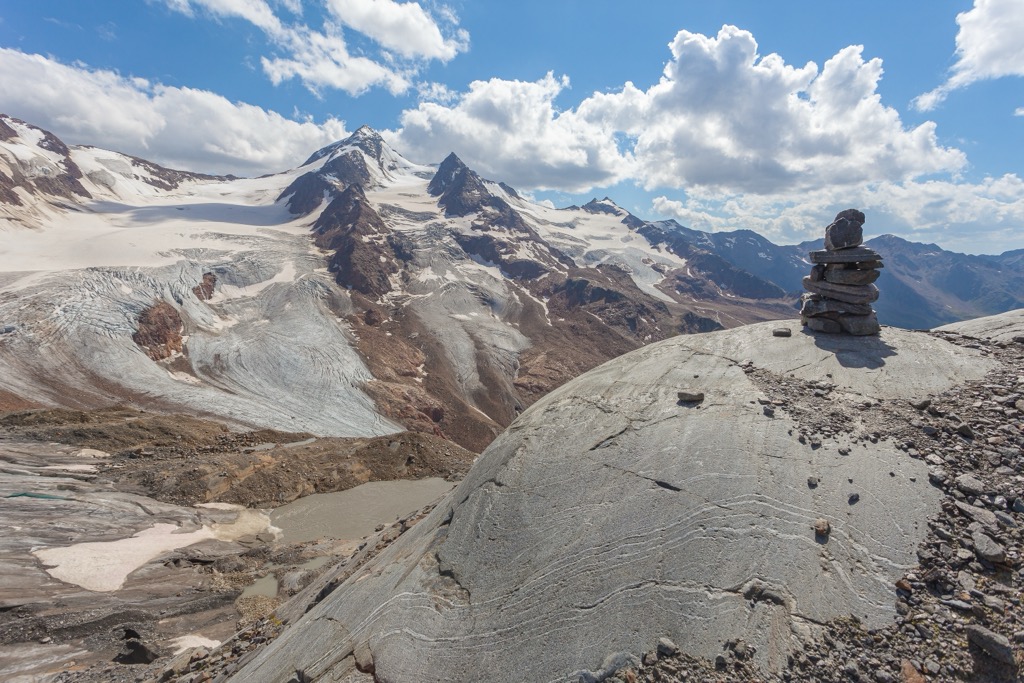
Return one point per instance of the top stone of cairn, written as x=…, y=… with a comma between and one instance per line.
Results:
x=846, y=231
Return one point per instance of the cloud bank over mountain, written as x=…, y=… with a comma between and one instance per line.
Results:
x=727, y=137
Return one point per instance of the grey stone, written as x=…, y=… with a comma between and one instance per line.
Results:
x=690, y=396
x=980, y=515
x=970, y=485
x=996, y=646
x=666, y=647
x=782, y=332
x=851, y=277
x=860, y=325
x=850, y=294
x=986, y=548
x=814, y=305
x=136, y=652
x=826, y=325
x=843, y=233
x=854, y=255
x=852, y=214
x=818, y=272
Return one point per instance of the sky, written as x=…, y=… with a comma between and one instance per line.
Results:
x=724, y=114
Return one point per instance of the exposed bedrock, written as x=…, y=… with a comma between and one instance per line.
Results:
x=611, y=514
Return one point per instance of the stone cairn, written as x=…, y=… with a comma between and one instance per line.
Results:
x=840, y=287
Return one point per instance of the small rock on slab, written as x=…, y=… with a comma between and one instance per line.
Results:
x=822, y=527
x=691, y=396
x=782, y=332
x=994, y=645
x=666, y=647
x=852, y=214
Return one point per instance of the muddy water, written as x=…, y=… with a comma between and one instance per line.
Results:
x=352, y=514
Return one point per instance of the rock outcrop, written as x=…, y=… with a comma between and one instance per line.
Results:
x=612, y=514
x=159, y=332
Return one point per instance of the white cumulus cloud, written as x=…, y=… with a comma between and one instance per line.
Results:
x=988, y=45
x=181, y=128
x=406, y=35
x=512, y=131
x=404, y=27
x=724, y=117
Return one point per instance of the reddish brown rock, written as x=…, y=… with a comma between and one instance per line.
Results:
x=159, y=333
x=204, y=290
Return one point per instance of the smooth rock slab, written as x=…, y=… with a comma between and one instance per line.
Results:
x=851, y=294
x=815, y=305
x=845, y=255
x=850, y=277
x=607, y=503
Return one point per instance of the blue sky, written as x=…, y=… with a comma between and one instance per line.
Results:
x=723, y=115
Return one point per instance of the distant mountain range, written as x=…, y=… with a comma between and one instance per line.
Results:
x=362, y=293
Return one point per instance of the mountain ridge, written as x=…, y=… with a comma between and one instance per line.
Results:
x=440, y=300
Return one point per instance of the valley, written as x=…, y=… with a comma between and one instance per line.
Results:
x=184, y=354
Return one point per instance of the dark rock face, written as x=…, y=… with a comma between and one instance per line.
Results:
x=159, y=333
x=63, y=180
x=462, y=192
x=6, y=132
x=204, y=290
x=307, y=192
x=363, y=257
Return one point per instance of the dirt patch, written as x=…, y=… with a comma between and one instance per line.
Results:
x=186, y=460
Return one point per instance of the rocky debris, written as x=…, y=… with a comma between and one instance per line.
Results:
x=204, y=290
x=690, y=396
x=782, y=332
x=159, y=331
x=839, y=288
x=185, y=461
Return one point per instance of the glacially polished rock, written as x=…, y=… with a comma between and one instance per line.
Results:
x=610, y=503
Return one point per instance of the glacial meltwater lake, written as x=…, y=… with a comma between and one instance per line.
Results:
x=352, y=514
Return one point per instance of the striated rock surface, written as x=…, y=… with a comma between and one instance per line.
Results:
x=611, y=514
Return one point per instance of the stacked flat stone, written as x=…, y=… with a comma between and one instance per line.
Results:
x=840, y=288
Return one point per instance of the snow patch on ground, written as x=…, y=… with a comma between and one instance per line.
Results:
x=104, y=566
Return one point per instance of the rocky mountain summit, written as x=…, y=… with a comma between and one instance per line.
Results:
x=858, y=520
